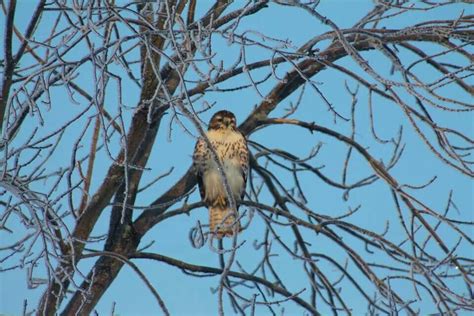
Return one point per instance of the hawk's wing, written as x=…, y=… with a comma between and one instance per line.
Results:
x=243, y=154
x=199, y=162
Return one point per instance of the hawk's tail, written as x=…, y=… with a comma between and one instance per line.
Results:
x=222, y=221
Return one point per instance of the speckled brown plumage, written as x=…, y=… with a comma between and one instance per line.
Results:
x=231, y=148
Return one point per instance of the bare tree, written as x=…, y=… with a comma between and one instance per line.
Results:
x=180, y=55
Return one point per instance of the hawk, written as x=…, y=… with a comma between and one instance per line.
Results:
x=232, y=151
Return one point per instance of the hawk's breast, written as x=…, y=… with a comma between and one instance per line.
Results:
x=226, y=144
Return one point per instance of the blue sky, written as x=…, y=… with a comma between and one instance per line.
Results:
x=184, y=295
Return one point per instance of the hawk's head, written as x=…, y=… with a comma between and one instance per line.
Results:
x=223, y=120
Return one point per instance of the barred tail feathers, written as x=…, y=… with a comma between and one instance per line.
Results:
x=225, y=219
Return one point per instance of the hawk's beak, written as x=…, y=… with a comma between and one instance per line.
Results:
x=227, y=122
